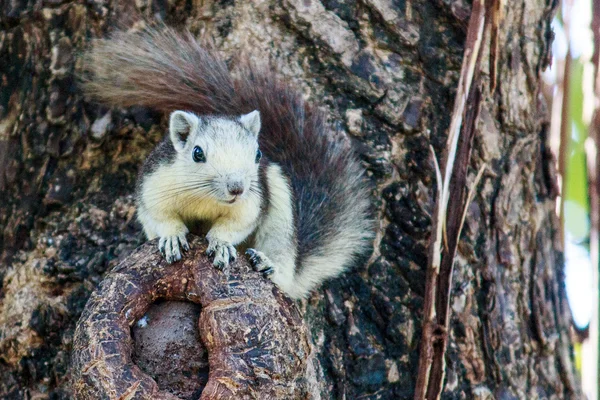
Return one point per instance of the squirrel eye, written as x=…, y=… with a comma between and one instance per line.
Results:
x=198, y=154
x=258, y=156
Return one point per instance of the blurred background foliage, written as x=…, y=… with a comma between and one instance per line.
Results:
x=571, y=91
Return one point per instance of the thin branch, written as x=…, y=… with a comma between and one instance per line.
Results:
x=474, y=39
x=444, y=280
x=470, y=198
x=426, y=355
x=437, y=244
x=431, y=369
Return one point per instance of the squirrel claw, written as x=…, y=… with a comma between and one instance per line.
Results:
x=260, y=262
x=186, y=247
x=252, y=254
x=223, y=253
x=219, y=265
x=169, y=247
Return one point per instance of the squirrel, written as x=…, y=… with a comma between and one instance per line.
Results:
x=247, y=155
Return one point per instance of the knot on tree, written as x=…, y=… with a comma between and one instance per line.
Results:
x=257, y=343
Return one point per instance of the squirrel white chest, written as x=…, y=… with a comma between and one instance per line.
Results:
x=163, y=193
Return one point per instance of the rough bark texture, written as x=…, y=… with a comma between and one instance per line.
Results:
x=257, y=343
x=386, y=71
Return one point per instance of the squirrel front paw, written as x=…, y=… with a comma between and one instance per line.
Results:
x=260, y=262
x=223, y=253
x=169, y=246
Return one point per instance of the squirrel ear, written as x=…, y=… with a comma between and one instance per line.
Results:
x=251, y=121
x=181, y=125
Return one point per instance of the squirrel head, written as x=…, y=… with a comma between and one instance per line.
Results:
x=217, y=157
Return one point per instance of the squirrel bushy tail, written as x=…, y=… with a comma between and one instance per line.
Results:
x=160, y=69
x=166, y=70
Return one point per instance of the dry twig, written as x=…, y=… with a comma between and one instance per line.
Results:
x=485, y=14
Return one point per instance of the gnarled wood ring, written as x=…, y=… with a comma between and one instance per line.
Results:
x=257, y=342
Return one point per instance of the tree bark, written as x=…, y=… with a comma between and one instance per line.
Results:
x=386, y=72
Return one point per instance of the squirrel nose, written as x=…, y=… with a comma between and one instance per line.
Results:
x=235, y=188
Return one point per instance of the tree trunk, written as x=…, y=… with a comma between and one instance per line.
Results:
x=386, y=71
